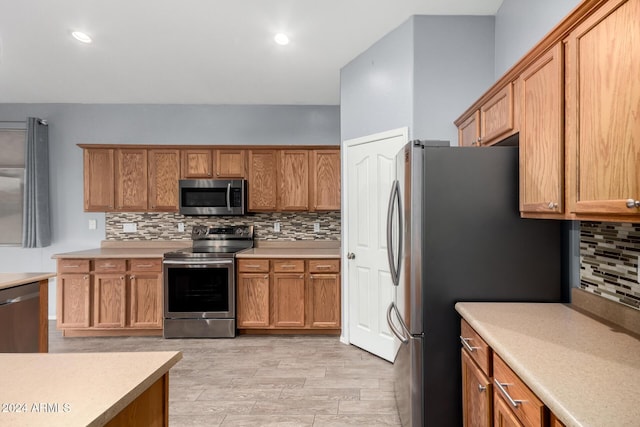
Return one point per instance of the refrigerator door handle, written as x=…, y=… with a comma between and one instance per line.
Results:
x=393, y=197
x=403, y=337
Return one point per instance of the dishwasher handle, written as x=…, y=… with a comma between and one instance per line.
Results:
x=20, y=298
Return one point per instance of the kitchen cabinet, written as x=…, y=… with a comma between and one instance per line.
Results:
x=109, y=297
x=288, y=295
x=263, y=180
x=542, y=136
x=492, y=122
x=197, y=163
x=324, y=180
x=164, y=173
x=229, y=163
x=99, y=174
x=293, y=180
x=131, y=180
x=603, y=113
x=492, y=394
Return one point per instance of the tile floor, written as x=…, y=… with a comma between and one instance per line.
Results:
x=264, y=380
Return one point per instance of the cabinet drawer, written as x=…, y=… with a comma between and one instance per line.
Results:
x=73, y=266
x=253, y=265
x=288, y=265
x=146, y=264
x=528, y=408
x=480, y=351
x=110, y=265
x=324, y=266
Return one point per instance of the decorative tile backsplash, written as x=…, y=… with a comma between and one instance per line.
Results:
x=609, y=261
x=164, y=226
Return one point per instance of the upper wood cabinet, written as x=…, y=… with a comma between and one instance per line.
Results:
x=493, y=121
x=603, y=113
x=131, y=179
x=99, y=179
x=324, y=180
x=293, y=179
x=164, y=173
x=541, y=136
x=197, y=163
x=262, y=180
x=230, y=163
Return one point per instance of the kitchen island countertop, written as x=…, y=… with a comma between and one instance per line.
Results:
x=76, y=389
x=586, y=371
x=9, y=280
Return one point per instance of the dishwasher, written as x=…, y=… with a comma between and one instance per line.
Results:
x=20, y=318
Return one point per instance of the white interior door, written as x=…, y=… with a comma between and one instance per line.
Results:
x=370, y=171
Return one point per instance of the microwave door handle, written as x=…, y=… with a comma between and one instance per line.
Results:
x=229, y=197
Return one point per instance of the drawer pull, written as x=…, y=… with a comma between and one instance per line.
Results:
x=465, y=344
x=482, y=388
x=323, y=266
x=70, y=266
x=107, y=266
x=505, y=393
x=288, y=265
x=144, y=265
x=133, y=277
x=266, y=276
x=253, y=266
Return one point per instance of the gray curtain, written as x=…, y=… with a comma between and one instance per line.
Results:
x=36, y=227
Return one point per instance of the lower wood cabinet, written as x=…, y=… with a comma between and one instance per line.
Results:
x=492, y=394
x=109, y=297
x=288, y=294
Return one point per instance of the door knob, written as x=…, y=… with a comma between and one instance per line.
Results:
x=351, y=255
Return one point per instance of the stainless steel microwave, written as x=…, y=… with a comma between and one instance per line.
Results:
x=213, y=196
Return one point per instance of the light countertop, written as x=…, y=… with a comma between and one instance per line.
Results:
x=9, y=280
x=587, y=372
x=116, y=253
x=81, y=389
x=289, y=253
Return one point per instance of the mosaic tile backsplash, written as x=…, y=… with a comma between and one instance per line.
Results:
x=164, y=225
x=609, y=261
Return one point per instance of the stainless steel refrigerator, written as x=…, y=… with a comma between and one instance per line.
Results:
x=454, y=234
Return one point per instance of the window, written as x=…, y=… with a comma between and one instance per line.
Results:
x=12, y=143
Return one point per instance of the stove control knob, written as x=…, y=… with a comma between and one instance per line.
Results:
x=242, y=230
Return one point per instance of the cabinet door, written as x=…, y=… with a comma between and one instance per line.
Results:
x=230, y=163
x=496, y=116
x=541, y=135
x=131, y=179
x=469, y=131
x=253, y=300
x=476, y=394
x=324, y=301
x=262, y=180
x=73, y=305
x=503, y=417
x=98, y=179
x=293, y=176
x=603, y=119
x=164, y=173
x=324, y=180
x=145, y=304
x=197, y=163
x=288, y=300
x=109, y=301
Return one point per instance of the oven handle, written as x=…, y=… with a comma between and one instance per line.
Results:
x=211, y=262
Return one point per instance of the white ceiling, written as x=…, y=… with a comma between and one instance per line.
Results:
x=195, y=51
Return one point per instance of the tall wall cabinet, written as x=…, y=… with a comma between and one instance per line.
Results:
x=577, y=110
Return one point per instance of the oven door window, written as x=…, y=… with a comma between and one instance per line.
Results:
x=199, y=290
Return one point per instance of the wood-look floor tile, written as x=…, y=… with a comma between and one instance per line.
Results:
x=290, y=373
x=277, y=383
x=205, y=407
x=268, y=420
x=368, y=407
x=211, y=420
x=320, y=394
x=376, y=394
x=238, y=393
x=356, y=420
x=342, y=383
x=294, y=407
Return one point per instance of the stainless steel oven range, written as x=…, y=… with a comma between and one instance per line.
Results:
x=199, y=283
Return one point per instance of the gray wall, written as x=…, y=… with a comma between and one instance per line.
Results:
x=520, y=24
x=453, y=66
x=376, y=88
x=71, y=124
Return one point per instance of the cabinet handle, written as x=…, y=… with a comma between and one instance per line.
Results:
x=505, y=393
x=266, y=276
x=482, y=388
x=144, y=266
x=633, y=203
x=465, y=344
x=288, y=265
x=71, y=266
x=133, y=277
x=121, y=277
x=252, y=266
x=552, y=205
x=86, y=277
x=324, y=266
x=107, y=266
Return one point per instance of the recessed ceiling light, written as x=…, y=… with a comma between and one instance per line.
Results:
x=281, y=39
x=82, y=37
